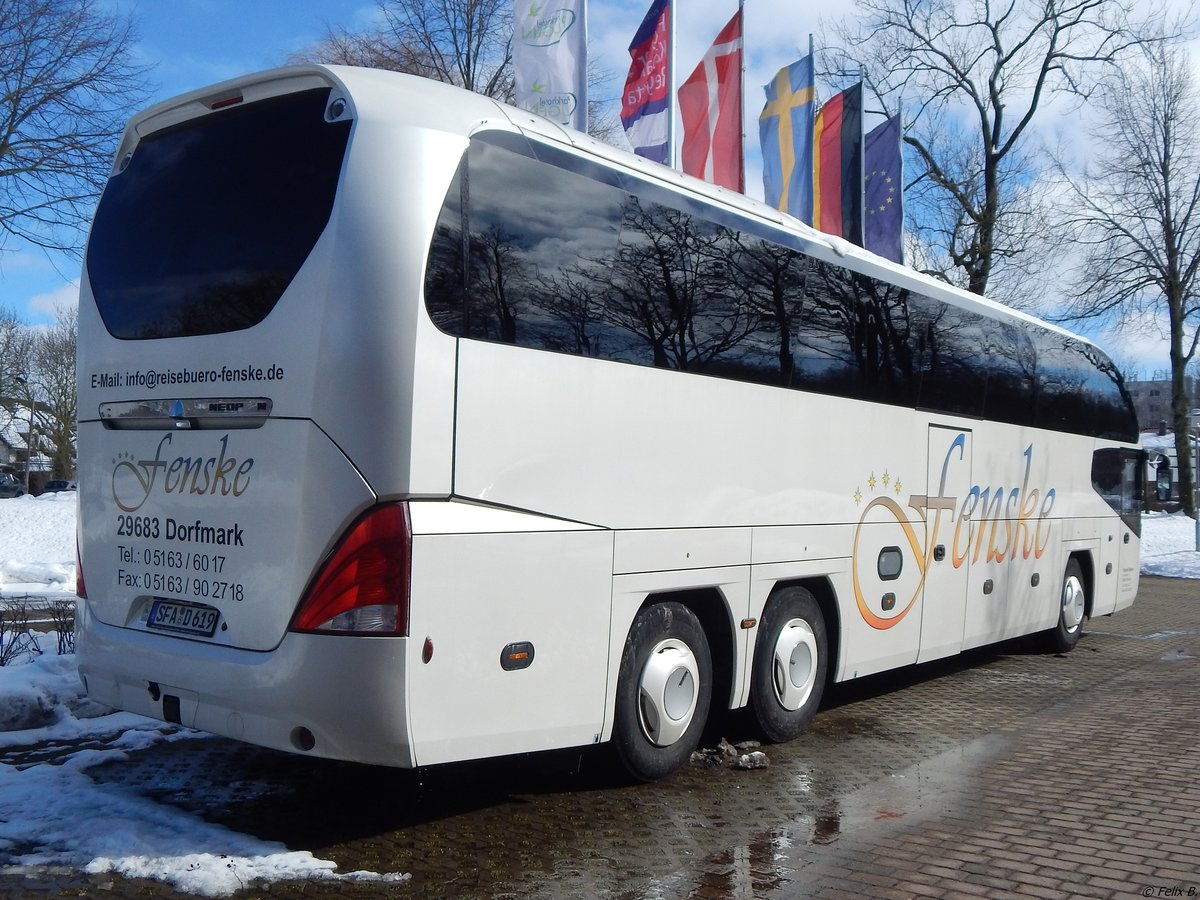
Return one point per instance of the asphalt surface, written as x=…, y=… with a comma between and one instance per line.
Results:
x=1003, y=772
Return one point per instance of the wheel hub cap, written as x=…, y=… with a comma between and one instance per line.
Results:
x=1073, y=604
x=667, y=692
x=794, y=666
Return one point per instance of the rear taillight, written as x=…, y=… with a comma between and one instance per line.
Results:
x=363, y=587
x=80, y=587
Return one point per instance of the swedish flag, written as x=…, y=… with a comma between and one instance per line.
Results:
x=785, y=133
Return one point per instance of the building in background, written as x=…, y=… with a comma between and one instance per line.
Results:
x=1152, y=400
x=31, y=469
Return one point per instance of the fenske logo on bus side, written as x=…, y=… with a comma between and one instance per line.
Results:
x=134, y=480
x=1015, y=516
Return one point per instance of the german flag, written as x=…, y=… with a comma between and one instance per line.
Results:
x=837, y=165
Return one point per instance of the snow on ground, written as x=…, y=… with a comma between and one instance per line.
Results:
x=37, y=543
x=1169, y=545
x=52, y=814
x=41, y=704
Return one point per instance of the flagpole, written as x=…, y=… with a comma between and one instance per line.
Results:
x=812, y=133
x=900, y=178
x=583, y=82
x=862, y=154
x=672, y=156
x=742, y=102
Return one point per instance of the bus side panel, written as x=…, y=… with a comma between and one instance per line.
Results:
x=384, y=387
x=1129, y=570
x=626, y=446
x=1108, y=568
x=473, y=596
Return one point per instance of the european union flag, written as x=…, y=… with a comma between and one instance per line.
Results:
x=883, y=192
x=785, y=133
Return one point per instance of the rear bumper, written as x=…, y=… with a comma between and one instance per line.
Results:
x=349, y=692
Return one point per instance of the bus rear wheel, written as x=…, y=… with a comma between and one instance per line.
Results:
x=790, y=664
x=1072, y=610
x=663, y=691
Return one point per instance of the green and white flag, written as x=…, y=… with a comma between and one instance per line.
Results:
x=550, y=59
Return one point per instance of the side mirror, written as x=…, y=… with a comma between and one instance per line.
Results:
x=1162, y=481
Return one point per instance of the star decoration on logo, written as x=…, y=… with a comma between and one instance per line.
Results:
x=881, y=484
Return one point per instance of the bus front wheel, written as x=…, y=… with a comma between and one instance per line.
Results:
x=1072, y=610
x=790, y=664
x=663, y=691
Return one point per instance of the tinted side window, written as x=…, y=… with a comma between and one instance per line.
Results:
x=1116, y=476
x=537, y=276
x=211, y=220
x=541, y=249
x=1080, y=390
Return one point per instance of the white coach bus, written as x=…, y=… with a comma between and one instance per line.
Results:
x=414, y=428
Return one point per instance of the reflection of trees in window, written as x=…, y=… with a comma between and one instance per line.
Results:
x=858, y=331
x=499, y=281
x=770, y=281
x=669, y=287
x=590, y=269
x=1013, y=372
x=1063, y=403
x=446, y=271
x=573, y=305
x=1115, y=417
x=1081, y=390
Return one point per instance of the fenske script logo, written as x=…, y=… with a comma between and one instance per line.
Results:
x=992, y=523
x=134, y=480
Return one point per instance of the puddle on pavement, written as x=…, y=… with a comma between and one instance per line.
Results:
x=559, y=825
x=842, y=725
x=1177, y=655
x=775, y=858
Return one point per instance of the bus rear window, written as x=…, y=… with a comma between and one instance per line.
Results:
x=210, y=221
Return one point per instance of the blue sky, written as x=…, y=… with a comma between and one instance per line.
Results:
x=193, y=43
x=190, y=43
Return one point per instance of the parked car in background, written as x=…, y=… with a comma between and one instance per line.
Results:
x=53, y=487
x=10, y=486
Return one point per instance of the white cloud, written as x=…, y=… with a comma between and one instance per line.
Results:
x=51, y=303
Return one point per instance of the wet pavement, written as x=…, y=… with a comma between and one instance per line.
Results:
x=1003, y=772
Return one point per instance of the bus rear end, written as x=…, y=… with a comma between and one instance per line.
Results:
x=245, y=442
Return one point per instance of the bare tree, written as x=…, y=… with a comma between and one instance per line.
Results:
x=462, y=42
x=15, y=341
x=457, y=41
x=972, y=77
x=53, y=374
x=15, y=359
x=1139, y=219
x=67, y=82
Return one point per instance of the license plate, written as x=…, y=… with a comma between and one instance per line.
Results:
x=187, y=618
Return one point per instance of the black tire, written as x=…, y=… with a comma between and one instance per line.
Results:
x=791, y=660
x=665, y=643
x=1072, y=607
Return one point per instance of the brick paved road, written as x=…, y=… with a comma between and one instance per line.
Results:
x=1005, y=772
x=1068, y=776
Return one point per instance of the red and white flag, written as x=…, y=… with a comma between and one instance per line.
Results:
x=710, y=106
